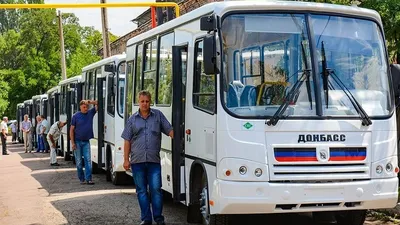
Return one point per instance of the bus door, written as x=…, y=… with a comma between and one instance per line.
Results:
x=101, y=84
x=179, y=54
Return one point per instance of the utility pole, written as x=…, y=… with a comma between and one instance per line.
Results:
x=61, y=33
x=106, y=41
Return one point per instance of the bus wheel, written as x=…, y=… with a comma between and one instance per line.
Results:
x=109, y=170
x=205, y=207
x=352, y=217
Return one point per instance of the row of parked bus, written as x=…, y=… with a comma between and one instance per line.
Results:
x=277, y=107
x=103, y=81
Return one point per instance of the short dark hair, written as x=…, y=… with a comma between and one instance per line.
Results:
x=144, y=93
x=43, y=117
x=82, y=102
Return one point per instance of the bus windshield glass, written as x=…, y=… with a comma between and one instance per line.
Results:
x=264, y=65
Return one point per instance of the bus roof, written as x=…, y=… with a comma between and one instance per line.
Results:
x=105, y=61
x=29, y=101
x=53, y=89
x=70, y=80
x=42, y=96
x=221, y=7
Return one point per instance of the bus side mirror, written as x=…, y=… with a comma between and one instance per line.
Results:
x=109, y=68
x=209, y=55
x=395, y=71
x=209, y=23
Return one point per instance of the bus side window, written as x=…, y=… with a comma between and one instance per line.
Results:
x=203, y=84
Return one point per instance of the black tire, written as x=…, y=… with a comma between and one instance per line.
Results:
x=109, y=169
x=67, y=156
x=121, y=178
x=352, y=217
x=208, y=219
x=95, y=168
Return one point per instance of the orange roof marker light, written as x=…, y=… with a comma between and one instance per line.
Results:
x=92, y=5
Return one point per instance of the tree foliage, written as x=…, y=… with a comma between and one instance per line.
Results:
x=389, y=11
x=30, y=52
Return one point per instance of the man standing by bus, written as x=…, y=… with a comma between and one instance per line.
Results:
x=14, y=132
x=142, y=135
x=4, y=132
x=81, y=132
x=44, y=130
x=26, y=126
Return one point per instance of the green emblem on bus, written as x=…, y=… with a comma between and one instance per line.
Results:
x=248, y=125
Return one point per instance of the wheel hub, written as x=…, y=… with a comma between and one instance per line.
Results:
x=204, y=207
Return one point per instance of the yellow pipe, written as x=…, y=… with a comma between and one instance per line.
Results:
x=92, y=5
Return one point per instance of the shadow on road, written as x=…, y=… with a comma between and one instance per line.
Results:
x=105, y=203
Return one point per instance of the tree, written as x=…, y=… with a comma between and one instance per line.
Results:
x=30, y=52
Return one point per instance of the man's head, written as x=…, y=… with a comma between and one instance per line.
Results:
x=42, y=117
x=38, y=118
x=5, y=119
x=144, y=101
x=83, y=106
x=26, y=117
x=62, y=123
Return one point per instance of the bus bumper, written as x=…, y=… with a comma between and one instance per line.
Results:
x=230, y=197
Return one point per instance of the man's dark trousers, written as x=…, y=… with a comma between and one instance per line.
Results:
x=3, y=144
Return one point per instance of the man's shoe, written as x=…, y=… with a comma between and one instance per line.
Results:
x=54, y=164
x=91, y=183
x=5, y=153
x=146, y=223
x=161, y=223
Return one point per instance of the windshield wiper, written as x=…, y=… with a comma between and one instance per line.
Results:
x=366, y=120
x=289, y=98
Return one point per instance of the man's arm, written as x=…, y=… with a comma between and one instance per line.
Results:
x=127, y=150
x=3, y=131
x=72, y=136
x=166, y=126
x=93, y=102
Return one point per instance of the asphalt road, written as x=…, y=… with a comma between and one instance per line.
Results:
x=33, y=193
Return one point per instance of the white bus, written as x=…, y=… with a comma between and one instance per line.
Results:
x=53, y=104
x=20, y=118
x=250, y=138
x=106, y=78
x=69, y=98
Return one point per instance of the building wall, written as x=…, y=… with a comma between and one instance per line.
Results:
x=119, y=46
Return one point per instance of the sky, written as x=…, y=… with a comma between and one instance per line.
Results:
x=119, y=19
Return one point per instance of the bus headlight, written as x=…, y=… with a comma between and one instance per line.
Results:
x=379, y=169
x=258, y=172
x=389, y=167
x=242, y=170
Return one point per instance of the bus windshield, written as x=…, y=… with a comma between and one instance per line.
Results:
x=264, y=64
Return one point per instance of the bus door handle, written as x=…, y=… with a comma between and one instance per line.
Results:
x=188, y=133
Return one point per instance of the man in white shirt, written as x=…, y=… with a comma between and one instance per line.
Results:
x=26, y=127
x=52, y=138
x=14, y=132
x=4, y=132
x=44, y=131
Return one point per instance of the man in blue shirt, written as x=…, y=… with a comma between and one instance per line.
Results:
x=81, y=132
x=142, y=135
